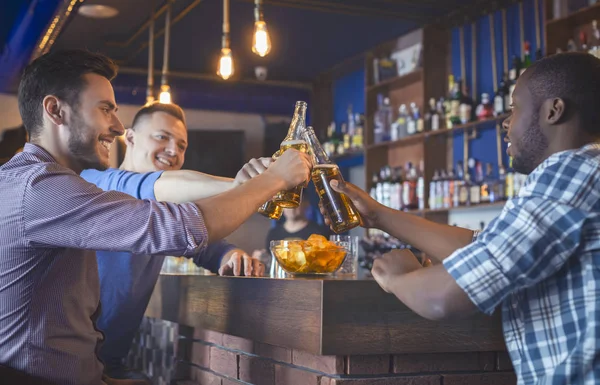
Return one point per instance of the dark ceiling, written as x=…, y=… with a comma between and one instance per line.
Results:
x=309, y=36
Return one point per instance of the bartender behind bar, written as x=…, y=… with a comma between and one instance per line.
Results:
x=540, y=258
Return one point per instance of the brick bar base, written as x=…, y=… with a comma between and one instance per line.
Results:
x=219, y=359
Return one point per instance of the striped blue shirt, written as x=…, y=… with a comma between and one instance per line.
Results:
x=540, y=259
x=51, y=223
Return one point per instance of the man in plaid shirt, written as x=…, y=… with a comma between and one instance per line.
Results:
x=540, y=258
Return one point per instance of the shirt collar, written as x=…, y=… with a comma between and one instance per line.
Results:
x=39, y=152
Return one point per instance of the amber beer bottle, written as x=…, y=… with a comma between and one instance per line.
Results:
x=338, y=207
x=294, y=139
x=271, y=209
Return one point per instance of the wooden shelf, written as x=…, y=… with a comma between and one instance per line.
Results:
x=459, y=208
x=398, y=81
x=423, y=135
x=583, y=16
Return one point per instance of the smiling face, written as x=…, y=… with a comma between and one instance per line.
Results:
x=527, y=143
x=93, y=124
x=157, y=142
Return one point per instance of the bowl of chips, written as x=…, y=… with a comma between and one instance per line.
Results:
x=315, y=256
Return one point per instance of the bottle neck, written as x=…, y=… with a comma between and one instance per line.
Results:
x=298, y=124
x=319, y=155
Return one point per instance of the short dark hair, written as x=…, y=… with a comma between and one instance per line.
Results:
x=58, y=73
x=575, y=78
x=172, y=109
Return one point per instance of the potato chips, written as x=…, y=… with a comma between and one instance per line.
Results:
x=316, y=255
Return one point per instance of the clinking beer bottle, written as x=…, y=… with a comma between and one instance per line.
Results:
x=339, y=208
x=294, y=139
x=271, y=209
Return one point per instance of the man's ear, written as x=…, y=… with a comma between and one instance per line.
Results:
x=54, y=109
x=129, y=137
x=554, y=110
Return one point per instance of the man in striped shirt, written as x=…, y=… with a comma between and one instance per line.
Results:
x=52, y=221
x=539, y=259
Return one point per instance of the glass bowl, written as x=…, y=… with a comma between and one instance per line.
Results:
x=300, y=257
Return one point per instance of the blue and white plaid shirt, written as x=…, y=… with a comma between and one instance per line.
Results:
x=541, y=259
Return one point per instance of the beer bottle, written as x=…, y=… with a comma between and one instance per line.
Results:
x=294, y=139
x=338, y=207
x=271, y=209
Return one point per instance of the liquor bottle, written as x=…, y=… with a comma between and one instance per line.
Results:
x=409, y=188
x=411, y=123
x=294, y=139
x=338, y=207
x=465, y=190
x=500, y=186
x=526, y=57
x=501, y=98
x=394, y=190
x=433, y=190
x=399, y=130
x=466, y=107
x=458, y=182
x=418, y=117
x=475, y=188
x=344, y=144
x=374, y=184
x=433, y=117
x=487, y=192
x=445, y=180
x=485, y=110
x=455, y=100
x=441, y=113
x=439, y=190
x=421, y=186
x=510, y=186
x=351, y=121
x=513, y=74
x=571, y=46
x=386, y=184
x=449, y=200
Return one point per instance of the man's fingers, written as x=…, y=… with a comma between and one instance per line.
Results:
x=258, y=268
x=257, y=165
x=247, y=261
x=236, y=260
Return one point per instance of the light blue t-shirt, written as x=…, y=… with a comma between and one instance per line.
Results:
x=127, y=280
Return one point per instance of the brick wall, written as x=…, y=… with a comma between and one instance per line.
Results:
x=220, y=359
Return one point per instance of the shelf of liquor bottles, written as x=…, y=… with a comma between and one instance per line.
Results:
x=571, y=27
x=484, y=122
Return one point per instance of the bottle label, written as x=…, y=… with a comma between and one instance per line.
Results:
x=475, y=195
x=435, y=122
x=512, y=74
x=499, y=104
x=411, y=128
x=463, y=195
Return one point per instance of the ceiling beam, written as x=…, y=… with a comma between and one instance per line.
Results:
x=343, y=9
x=214, y=77
x=161, y=32
x=137, y=33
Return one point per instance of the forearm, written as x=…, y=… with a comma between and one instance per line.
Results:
x=189, y=186
x=433, y=294
x=225, y=212
x=434, y=239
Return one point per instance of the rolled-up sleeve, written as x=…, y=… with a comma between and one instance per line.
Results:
x=531, y=240
x=70, y=212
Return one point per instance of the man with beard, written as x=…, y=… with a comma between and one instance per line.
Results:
x=156, y=145
x=539, y=259
x=52, y=220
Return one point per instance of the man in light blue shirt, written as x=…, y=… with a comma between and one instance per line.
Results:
x=156, y=146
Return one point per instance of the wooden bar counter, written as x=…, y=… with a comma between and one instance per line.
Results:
x=322, y=331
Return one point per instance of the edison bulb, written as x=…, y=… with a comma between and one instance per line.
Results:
x=225, y=64
x=165, y=94
x=261, y=43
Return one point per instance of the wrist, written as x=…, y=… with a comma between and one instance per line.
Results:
x=271, y=181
